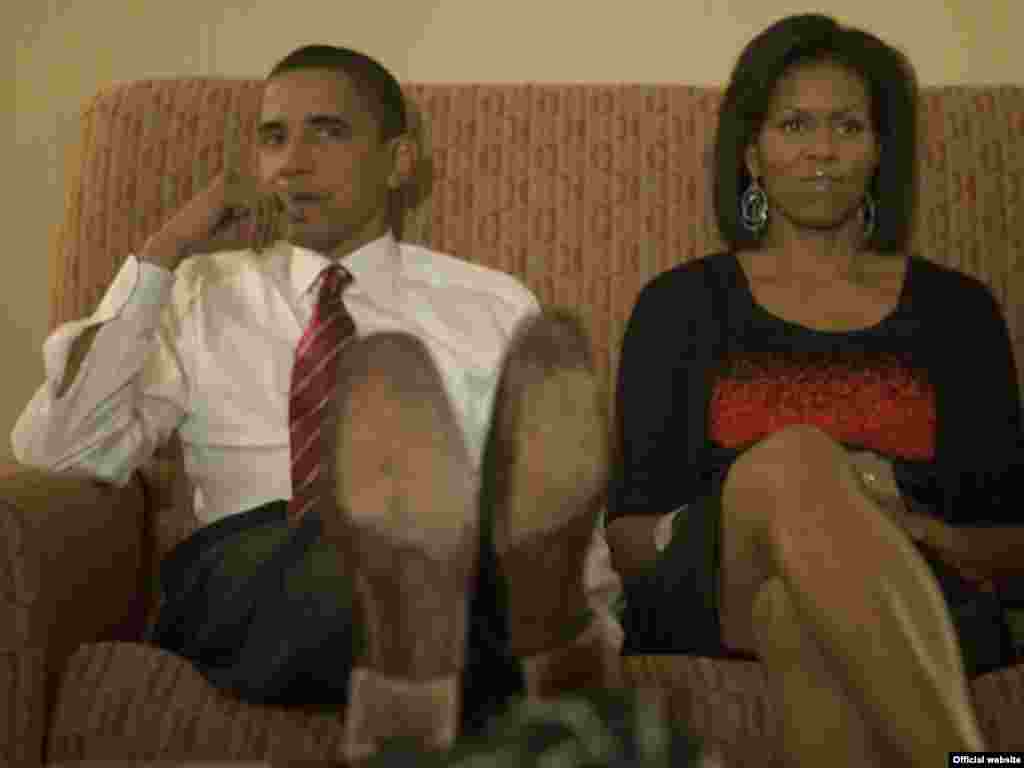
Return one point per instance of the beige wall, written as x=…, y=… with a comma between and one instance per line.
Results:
x=66, y=49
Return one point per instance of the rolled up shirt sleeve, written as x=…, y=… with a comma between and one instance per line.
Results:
x=129, y=394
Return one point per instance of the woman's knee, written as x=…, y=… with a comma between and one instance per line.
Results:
x=783, y=463
x=778, y=492
x=772, y=496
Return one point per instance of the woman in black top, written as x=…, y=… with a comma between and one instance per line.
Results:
x=796, y=412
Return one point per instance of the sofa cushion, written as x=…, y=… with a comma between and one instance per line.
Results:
x=724, y=703
x=999, y=703
x=22, y=707
x=134, y=701
x=122, y=700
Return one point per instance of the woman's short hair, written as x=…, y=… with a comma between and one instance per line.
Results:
x=891, y=84
x=377, y=87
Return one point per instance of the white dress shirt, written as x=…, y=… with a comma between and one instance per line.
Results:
x=209, y=351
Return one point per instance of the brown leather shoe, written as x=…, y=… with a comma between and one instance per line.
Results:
x=406, y=525
x=545, y=472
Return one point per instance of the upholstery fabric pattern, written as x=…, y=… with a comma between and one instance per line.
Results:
x=725, y=703
x=722, y=701
x=999, y=702
x=22, y=671
x=15, y=602
x=55, y=594
x=23, y=706
x=98, y=715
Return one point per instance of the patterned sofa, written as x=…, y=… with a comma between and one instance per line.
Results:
x=583, y=191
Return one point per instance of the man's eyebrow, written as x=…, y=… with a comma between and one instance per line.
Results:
x=315, y=121
x=320, y=120
x=269, y=125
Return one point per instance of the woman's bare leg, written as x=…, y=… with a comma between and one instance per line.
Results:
x=797, y=524
x=821, y=725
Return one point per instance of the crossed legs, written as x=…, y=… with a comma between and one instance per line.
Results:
x=843, y=611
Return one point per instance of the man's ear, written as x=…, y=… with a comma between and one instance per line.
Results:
x=404, y=158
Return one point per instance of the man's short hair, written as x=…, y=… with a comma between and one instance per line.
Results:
x=376, y=86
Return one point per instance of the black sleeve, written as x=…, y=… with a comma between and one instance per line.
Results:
x=989, y=490
x=978, y=401
x=657, y=414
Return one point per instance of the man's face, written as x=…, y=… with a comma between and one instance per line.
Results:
x=319, y=149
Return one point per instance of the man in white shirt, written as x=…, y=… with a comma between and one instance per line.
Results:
x=199, y=333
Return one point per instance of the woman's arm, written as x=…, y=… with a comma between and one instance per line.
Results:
x=982, y=461
x=653, y=472
x=980, y=554
x=984, y=456
x=985, y=535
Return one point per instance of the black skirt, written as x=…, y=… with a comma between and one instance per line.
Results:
x=675, y=608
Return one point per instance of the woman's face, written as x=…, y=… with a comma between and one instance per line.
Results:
x=817, y=150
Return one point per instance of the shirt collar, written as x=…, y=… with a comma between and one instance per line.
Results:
x=374, y=268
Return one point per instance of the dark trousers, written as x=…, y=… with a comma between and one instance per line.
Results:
x=263, y=610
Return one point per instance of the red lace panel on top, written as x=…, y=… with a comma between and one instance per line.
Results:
x=873, y=401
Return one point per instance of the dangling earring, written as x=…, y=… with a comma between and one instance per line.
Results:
x=754, y=207
x=868, y=215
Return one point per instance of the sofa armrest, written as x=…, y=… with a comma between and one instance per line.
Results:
x=71, y=558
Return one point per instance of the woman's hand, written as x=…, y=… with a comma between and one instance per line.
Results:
x=951, y=546
x=929, y=532
x=878, y=481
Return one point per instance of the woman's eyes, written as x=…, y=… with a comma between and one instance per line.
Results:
x=851, y=126
x=846, y=127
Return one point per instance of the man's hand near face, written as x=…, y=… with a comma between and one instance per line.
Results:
x=234, y=212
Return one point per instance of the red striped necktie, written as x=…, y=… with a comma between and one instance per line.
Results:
x=312, y=386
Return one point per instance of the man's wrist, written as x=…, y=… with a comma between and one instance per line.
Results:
x=163, y=252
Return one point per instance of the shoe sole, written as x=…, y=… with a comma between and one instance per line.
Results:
x=407, y=522
x=551, y=431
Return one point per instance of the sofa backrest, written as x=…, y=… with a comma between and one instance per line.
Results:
x=585, y=192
